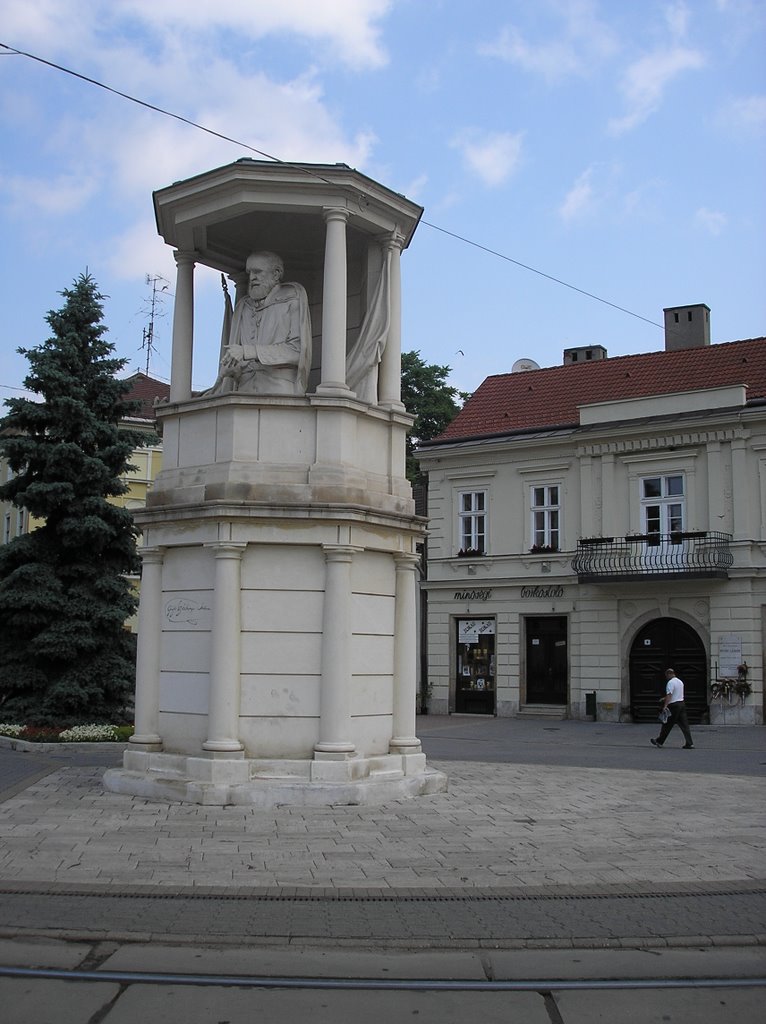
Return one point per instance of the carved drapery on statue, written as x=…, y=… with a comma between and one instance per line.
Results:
x=365, y=354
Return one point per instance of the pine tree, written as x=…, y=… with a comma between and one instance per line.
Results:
x=65, y=655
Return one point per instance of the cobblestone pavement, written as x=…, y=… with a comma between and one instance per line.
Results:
x=513, y=850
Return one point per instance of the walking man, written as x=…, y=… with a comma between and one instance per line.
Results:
x=674, y=702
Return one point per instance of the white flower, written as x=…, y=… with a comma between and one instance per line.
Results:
x=88, y=734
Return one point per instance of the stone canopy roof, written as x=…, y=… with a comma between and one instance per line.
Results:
x=549, y=398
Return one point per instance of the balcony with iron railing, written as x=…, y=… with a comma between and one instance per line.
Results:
x=687, y=555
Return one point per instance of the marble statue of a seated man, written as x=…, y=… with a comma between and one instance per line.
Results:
x=269, y=345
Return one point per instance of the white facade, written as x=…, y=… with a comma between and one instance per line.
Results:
x=652, y=497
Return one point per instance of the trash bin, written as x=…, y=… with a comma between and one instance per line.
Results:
x=590, y=705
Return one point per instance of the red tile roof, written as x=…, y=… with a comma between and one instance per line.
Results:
x=145, y=390
x=543, y=399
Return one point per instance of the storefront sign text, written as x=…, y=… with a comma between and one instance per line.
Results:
x=543, y=592
x=472, y=595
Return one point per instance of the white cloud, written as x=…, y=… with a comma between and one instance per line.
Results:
x=49, y=196
x=348, y=28
x=415, y=187
x=146, y=151
x=581, y=40
x=645, y=81
x=712, y=221
x=677, y=17
x=601, y=191
x=579, y=200
x=642, y=201
x=493, y=156
x=172, y=55
x=137, y=250
x=745, y=114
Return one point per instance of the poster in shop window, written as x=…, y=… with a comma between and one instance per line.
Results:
x=470, y=630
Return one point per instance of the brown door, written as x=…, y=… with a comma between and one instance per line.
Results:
x=546, y=659
x=663, y=644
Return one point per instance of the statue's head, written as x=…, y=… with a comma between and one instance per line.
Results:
x=265, y=270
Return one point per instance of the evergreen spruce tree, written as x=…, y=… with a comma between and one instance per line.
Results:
x=65, y=655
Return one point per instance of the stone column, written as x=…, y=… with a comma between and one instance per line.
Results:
x=225, y=660
x=335, y=695
x=183, y=328
x=148, y=653
x=334, y=305
x=404, y=740
x=390, y=383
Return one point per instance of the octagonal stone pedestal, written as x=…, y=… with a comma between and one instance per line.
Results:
x=277, y=622
x=270, y=783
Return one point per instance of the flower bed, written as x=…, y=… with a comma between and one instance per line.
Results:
x=74, y=734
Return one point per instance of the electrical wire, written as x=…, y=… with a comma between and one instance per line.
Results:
x=274, y=159
x=541, y=273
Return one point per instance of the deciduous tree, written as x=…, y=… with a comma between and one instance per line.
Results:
x=432, y=401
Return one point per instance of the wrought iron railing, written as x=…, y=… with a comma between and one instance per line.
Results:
x=694, y=555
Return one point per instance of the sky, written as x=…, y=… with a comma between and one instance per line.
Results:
x=558, y=147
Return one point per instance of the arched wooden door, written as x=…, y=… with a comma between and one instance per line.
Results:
x=663, y=644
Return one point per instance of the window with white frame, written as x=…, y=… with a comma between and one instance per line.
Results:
x=663, y=506
x=545, y=521
x=472, y=521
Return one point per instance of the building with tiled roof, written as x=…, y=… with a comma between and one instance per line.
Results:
x=146, y=461
x=553, y=397
x=149, y=392
x=594, y=523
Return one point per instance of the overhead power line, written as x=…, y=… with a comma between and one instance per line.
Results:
x=134, y=99
x=541, y=273
x=269, y=156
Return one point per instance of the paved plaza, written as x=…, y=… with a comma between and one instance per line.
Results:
x=683, y=824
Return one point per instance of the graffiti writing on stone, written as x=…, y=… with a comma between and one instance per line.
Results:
x=186, y=611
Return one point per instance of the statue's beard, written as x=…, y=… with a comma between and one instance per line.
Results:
x=259, y=291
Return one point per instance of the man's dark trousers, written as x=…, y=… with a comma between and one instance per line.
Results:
x=677, y=717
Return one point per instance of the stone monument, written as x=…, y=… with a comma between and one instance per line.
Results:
x=277, y=621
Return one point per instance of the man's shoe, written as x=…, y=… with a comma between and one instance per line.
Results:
x=688, y=746
x=655, y=743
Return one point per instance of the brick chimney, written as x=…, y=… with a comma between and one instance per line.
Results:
x=584, y=354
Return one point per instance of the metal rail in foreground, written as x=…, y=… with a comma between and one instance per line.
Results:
x=391, y=984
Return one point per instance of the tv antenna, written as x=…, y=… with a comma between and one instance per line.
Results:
x=159, y=285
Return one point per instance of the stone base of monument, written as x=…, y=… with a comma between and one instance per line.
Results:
x=265, y=783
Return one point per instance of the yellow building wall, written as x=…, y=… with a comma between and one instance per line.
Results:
x=146, y=462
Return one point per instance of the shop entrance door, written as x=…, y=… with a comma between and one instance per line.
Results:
x=475, y=683
x=663, y=644
x=546, y=659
